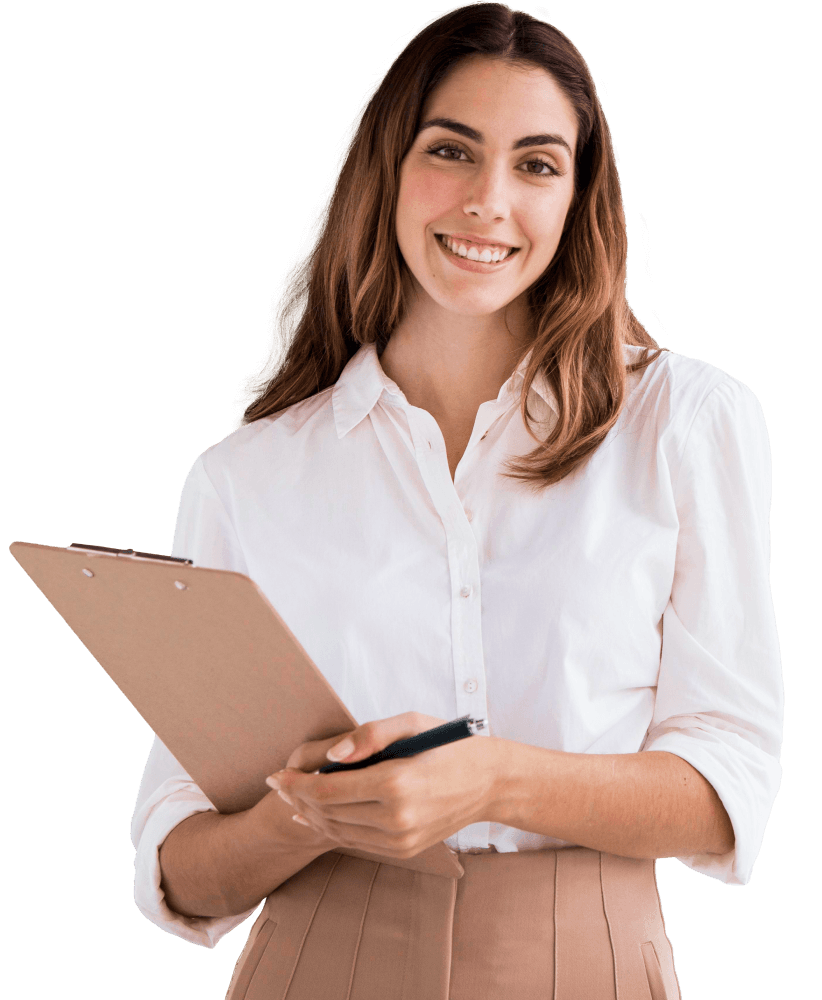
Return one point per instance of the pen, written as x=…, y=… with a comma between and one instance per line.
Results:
x=458, y=729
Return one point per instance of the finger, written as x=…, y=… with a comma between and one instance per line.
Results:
x=311, y=756
x=305, y=794
x=367, y=814
x=338, y=787
x=322, y=824
x=365, y=838
x=376, y=735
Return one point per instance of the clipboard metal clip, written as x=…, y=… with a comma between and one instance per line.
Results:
x=130, y=552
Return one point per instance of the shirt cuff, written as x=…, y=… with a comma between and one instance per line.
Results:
x=745, y=778
x=174, y=801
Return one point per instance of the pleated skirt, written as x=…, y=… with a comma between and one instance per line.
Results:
x=563, y=924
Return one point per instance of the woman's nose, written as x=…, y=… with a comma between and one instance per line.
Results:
x=488, y=194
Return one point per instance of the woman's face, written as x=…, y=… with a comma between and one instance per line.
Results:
x=483, y=186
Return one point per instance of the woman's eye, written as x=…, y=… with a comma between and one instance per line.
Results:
x=451, y=149
x=551, y=171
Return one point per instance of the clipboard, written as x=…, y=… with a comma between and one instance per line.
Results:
x=208, y=663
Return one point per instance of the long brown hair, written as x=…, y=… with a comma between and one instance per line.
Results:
x=349, y=290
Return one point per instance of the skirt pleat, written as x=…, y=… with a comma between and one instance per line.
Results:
x=562, y=924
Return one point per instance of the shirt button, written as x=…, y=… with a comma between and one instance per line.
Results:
x=469, y=514
x=465, y=592
x=470, y=686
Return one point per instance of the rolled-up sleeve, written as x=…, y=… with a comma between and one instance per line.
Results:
x=720, y=696
x=167, y=794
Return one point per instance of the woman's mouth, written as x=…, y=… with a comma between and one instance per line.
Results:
x=468, y=263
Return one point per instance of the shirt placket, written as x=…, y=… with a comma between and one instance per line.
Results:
x=463, y=563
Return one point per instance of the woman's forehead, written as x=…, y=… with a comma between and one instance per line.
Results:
x=496, y=106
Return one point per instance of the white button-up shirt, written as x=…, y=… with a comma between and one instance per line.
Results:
x=626, y=608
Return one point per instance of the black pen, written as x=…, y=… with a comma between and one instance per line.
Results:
x=437, y=737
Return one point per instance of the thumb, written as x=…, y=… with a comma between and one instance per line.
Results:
x=344, y=749
x=310, y=756
x=371, y=737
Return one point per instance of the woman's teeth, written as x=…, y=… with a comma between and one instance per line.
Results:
x=487, y=256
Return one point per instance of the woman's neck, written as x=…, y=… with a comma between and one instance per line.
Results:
x=450, y=372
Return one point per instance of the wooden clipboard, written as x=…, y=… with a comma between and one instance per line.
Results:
x=208, y=663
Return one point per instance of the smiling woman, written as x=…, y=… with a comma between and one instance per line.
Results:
x=529, y=195
x=465, y=302
x=496, y=192
x=486, y=129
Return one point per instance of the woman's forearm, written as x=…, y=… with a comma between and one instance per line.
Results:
x=651, y=804
x=218, y=865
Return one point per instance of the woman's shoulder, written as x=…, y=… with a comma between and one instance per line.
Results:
x=269, y=442
x=675, y=385
x=672, y=368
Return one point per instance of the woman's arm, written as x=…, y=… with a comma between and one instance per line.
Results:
x=219, y=865
x=651, y=804
x=215, y=865
x=719, y=695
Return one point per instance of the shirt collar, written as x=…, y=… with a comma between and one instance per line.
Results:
x=363, y=381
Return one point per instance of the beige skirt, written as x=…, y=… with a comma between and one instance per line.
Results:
x=562, y=924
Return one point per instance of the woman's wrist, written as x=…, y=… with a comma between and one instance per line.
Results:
x=270, y=829
x=222, y=864
x=258, y=849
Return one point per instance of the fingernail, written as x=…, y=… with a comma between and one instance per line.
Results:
x=285, y=798
x=273, y=783
x=300, y=819
x=341, y=750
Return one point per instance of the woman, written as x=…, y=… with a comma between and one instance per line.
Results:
x=471, y=488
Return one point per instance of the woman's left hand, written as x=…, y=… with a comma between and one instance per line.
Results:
x=397, y=807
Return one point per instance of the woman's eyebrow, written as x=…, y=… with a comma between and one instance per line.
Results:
x=544, y=139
